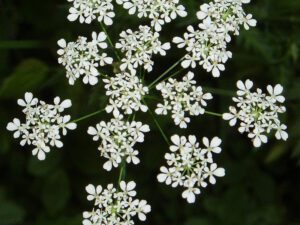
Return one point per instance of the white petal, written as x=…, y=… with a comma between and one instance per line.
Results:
x=220, y=172
x=175, y=139
x=90, y=189
x=41, y=155
x=215, y=142
x=66, y=103
x=62, y=43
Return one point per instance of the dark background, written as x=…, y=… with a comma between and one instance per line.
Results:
x=261, y=186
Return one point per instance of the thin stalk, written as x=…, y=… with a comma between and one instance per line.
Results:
x=110, y=41
x=88, y=116
x=158, y=125
x=213, y=113
x=122, y=172
x=172, y=75
x=166, y=72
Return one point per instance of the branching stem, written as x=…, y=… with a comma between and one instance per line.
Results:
x=110, y=41
x=165, y=73
x=158, y=125
x=213, y=113
x=87, y=116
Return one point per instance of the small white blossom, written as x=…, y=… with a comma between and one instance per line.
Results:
x=139, y=47
x=182, y=97
x=189, y=165
x=82, y=58
x=208, y=44
x=257, y=112
x=125, y=91
x=44, y=124
x=160, y=12
x=115, y=207
x=117, y=141
x=88, y=10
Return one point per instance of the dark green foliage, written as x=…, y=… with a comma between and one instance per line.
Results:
x=261, y=187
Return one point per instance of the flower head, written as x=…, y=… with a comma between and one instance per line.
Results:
x=160, y=12
x=44, y=124
x=257, y=112
x=139, y=47
x=207, y=45
x=88, y=10
x=190, y=166
x=117, y=141
x=82, y=58
x=182, y=97
x=115, y=207
x=125, y=91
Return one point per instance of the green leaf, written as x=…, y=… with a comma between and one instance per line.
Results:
x=28, y=76
x=42, y=168
x=11, y=213
x=276, y=152
x=56, y=192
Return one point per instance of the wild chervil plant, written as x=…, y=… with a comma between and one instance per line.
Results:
x=189, y=165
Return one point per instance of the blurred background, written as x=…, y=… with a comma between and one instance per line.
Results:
x=261, y=186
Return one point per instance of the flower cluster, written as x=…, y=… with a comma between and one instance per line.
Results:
x=125, y=91
x=82, y=58
x=257, y=112
x=160, y=12
x=190, y=166
x=88, y=10
x=115, y=207
x=117, y=141
x=44, y=124
x=208, y=44
x=181, y=97
x=139, y=47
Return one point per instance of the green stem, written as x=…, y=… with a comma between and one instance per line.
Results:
x=21, y=44
x=172, y=75
x=110, y=41
x=213, y=113
x=88, y=116
x=122, y=171
x=166, y=72
x=157, y=124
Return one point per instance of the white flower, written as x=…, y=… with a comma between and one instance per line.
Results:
x=43, y=124
x=275, y=93
x=190, y=194
x=189, y=166
x=214, y=171
x=86, y=11
x=160, y=12
x=143, y=208
x=28, y=101
x=125, y=91
x=212, y=146
x=117, y=141
x=93, y=191
x=128, y=188
x=82, y=58
x=139, y=47
x=257, y=112
x=115, y=207
x=181, y=98
x=208, y=44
